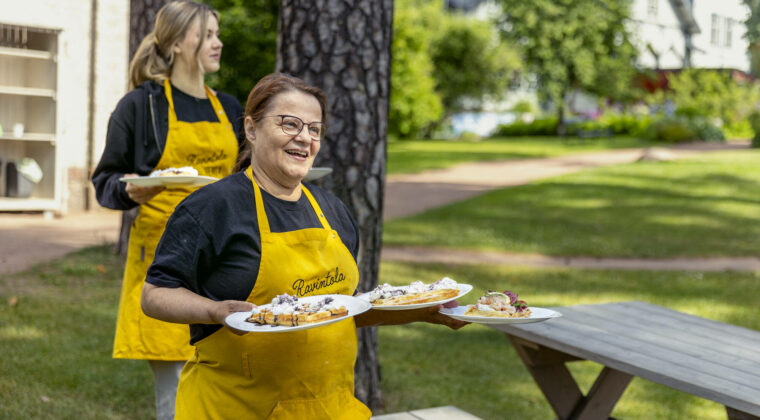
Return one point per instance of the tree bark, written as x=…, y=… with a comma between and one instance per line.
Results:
x=142, y=15
x=344, y=47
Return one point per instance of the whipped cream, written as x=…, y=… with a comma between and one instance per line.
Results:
x=444, y=283
x=188, y=170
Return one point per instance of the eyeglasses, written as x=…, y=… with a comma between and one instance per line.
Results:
x=292, y=126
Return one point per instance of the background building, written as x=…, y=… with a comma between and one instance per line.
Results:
x=63, y=67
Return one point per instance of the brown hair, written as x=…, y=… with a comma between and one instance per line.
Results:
x=262, y=95
x=154, y=57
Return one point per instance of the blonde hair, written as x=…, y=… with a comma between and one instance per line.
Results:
x=155, y=55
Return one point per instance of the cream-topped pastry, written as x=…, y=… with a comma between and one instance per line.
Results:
x=416, y=292
x=289, y=311
x=185, y=170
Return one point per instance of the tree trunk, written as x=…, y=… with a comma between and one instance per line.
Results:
x=142, y=15
x=344, y=47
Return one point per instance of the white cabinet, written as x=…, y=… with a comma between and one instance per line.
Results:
x=28, y=109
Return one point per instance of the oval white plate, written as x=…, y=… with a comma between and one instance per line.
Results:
x=354, y=306
x=536, y=315
x=316, y=173
x=463, y=290
x=170, y=181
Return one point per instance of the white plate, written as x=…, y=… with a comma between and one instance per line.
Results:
x=536, y=315
x=316, y=173
x=355, y=306
x=463, y=290
x=170, y=181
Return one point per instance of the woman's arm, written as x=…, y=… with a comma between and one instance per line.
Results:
x=181, y=306
x=374, y=318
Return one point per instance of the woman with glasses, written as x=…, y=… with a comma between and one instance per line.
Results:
x=168, y=119
x=256, y=234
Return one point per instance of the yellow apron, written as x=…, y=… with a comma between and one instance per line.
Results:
x=306, y=374
x=211, y=148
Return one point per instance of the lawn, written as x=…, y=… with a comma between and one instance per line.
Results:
x=412, y=156
x=701, y=206
x=57, y=321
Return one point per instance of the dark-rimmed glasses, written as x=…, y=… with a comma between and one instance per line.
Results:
x=292, y=126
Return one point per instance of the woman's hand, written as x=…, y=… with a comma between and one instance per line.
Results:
x=429, y=314
x=141, y=195
x=225, y=308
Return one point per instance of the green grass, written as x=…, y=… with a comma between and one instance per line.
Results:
x=412, y=156
x=477, y=370
x=701, y=206
x=55, y=341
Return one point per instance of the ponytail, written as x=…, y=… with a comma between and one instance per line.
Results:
x=155, y=55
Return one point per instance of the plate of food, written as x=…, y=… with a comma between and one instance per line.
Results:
x=171, y=177
x=500, y=308
x=316, y=173
x=291, y=313
x=416, y=295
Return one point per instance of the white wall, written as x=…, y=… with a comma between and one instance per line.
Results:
x=661, y=30
x=720, y=56
x=72, y=18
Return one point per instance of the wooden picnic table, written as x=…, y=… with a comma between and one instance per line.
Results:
x=706, y=358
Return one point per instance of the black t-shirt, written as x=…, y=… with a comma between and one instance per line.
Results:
x=212, y=244
x=191, y=109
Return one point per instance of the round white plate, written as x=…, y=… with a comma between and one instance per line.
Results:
x=355, y=306
x=170, y=181
x=463, y=290
x=316, y=173
x=536, y=315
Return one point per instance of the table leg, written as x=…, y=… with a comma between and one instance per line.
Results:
x=734, y=414
x=547, y=367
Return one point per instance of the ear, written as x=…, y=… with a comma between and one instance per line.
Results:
x=250, y=129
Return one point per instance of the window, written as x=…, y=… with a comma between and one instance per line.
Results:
x=729, y=32
x=715, y=30
x=652, y=8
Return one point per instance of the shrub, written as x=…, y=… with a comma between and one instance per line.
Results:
x=679, y=128
x=754, y=120
x=538, y=127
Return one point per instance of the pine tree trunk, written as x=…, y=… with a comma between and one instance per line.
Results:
x=142, y=15
x=344, y=47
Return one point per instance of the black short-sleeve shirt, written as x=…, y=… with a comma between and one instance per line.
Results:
x=212, y=244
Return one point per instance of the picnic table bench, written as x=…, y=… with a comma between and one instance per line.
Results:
x=706, y=358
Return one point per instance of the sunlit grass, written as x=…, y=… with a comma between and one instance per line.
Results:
x=702, y=206
x=412, y=156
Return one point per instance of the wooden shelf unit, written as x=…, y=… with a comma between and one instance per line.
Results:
x=28, y=89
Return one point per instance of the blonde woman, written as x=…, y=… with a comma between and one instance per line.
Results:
x=170, y=118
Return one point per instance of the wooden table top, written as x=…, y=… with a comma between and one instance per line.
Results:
x=706, y=358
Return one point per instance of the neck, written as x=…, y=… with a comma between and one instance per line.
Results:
x=188, y=80
x=279, y=190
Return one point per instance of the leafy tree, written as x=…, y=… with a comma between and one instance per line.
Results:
x=471, y=62
x=573, y=44
x=248, y=29
x=415, y=105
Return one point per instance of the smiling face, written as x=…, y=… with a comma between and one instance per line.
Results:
x=211, y=48
x=280, y=158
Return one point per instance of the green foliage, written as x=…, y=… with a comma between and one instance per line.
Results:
x=712, y=94
x=470, y=62
x=753, y=34
x=754, y=120
x=573, y=44
x=537, y=127
x=682, y=128
x=523, y=107
x=249, y=32
x=414, y=104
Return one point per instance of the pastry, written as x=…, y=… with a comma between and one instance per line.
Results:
x=417, y=292
x=183, y=171
x=288, y=311
x=497, y=304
